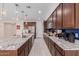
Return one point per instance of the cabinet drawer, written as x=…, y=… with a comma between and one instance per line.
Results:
x=52, y=50
x=59, y=49
x=8, y=53
x=51, y=42
x=21, y=49
x=57, y=53
x=22, y=53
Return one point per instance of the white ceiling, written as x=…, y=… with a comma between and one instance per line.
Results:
x=32, y=13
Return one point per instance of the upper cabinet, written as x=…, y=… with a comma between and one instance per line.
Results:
x=59, y=16
x=49, y=22
x=54, y=18
x=68, y=15
x=65, y=16
x=77, y=15
x=45, y=26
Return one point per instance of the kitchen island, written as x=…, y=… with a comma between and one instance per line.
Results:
x=16, y=46
x=61, y=47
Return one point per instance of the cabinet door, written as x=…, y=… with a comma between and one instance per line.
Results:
x=68, y=15
x=49, y=25
x=30, y=44
x=26, y=49
x=47, y=42
x=45, y=26
x=59, y=16
x=57, y=53
x=54, y=17
x=22, y=53
x=77, y=15
x=52, y=48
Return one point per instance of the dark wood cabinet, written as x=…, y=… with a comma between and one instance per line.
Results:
x=46, y=41
x=57, y=53
x=56, y=50
x=26, y=50
x=77, y=15
x=68, y=15
x=30, y=44
x=65, y=16
x=23, y=50
x=54, y=18
x=28, y=25
x=50, y=45
x=22, y=53
x=49, y=22
x=52, y=48
x=45, y=26
x=59, y=16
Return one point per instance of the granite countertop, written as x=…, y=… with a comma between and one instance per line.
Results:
x=66, y=45
x=13, y=43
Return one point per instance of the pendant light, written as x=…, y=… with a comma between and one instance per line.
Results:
x=3, y=12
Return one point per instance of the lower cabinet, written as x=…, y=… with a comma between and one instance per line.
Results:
x=46, y=40
x=50, y=45
x=29, y=45
x=22, y=53
x=53, y=48
x=56, y=50
x=23, y=50
x=27, y=48
x=26, y=51
x=57, y=53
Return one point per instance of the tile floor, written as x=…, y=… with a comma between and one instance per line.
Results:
x=39, y=48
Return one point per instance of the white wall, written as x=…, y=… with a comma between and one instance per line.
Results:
x=51, y=9
x=9, y=29
x=39, y=29
x=1, y=29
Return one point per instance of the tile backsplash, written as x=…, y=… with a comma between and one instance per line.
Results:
x=76, y=31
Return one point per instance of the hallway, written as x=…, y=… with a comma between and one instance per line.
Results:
x=39, y=48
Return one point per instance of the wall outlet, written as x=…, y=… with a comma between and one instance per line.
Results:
x=76, y=35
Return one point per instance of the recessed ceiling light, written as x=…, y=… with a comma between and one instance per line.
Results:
x=39, y=11
x=17, y=12
x=25, y=15
x=28, y=6
x=22, y=11
x=16, y=5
